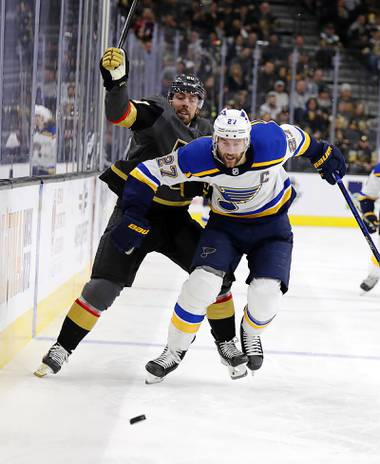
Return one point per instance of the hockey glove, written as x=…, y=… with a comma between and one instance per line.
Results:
x=332, y=161
x=129, y=233
x=371, y=221
x=114, y=67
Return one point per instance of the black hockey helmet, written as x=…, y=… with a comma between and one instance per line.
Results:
x=189, y=84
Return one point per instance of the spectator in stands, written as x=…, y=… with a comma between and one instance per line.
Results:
x=314, y=80
x=282, y=97
x=314, y=121
x=270, y=106
x=265, y=20
x=274, y=51
x=374, y=50
x=144, y=26
x=360, y=157
x=235, y=79
x=324, y=99
x=345, y=95
x=300, y=99
x=266, y=79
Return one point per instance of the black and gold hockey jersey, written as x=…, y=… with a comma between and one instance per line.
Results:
x=157, y=131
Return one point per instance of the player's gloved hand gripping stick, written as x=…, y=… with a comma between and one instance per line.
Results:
x=114, y=64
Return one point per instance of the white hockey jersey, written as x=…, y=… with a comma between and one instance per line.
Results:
x=258, y=188
x=371, y=189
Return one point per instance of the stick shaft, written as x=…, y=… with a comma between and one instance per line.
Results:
x=127, y=24
x=359, y=220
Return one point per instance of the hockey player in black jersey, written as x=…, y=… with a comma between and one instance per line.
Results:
x=159, y=126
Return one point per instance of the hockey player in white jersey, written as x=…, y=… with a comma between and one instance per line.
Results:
x=252, y=192
x=369, y=194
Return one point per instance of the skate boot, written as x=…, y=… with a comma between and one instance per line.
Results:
x=369, y=282
x=52, y=361
x=251, y=346
x=160, y=367
x=233, y=358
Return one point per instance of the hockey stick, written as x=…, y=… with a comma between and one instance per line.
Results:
x=127, y=24
x=356, y=214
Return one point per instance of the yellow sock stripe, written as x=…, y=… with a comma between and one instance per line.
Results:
x=184, y=326
x=81, y=317
x=374, y=261
x=221, y=310
x=252, y=324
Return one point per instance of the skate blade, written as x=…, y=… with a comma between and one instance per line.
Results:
x=150, y=379
x=43, y=370
x=238, y=372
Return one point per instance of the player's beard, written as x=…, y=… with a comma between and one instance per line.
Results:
x=232, y=160
x=185, y=115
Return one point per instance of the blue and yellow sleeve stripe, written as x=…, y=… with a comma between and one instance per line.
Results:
x=305, y=143
x=143, y=174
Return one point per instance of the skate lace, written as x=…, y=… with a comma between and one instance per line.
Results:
x=229, y=349
x=252, y=344
x=58, y=354
x=169, y=358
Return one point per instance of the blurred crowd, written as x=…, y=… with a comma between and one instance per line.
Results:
x=220, y=41
x=246, y=26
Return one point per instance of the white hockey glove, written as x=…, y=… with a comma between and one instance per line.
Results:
x=114, y=67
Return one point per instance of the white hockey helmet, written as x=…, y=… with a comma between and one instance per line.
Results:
x=232, y=124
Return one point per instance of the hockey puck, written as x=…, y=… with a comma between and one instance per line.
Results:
x=133, y=420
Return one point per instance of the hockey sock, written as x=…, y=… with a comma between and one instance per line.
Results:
x=77, y=324
x=221, y=317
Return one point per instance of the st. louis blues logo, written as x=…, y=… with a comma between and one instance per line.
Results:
x=207, y=251
x=232, y=197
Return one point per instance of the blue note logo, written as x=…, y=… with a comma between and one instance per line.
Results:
x=207, y=251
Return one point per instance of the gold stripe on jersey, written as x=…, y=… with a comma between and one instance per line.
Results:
x=268, y=212
x=267, y=163
x=119, y=172
x=202, y=173
x=171, y=203
x=128, y=118
x=140, y=176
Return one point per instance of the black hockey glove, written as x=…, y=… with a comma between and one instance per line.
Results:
x=332, y=161
x=114, y=67
x=129, y=233
x=371, y=221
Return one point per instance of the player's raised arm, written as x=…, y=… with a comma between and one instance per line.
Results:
x=120, y=109
x=325, y=157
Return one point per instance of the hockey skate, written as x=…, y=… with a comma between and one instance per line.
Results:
x=369, y=282
x=251, y=346
x=52, y=361
x=160, y=367
x=233, y=358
